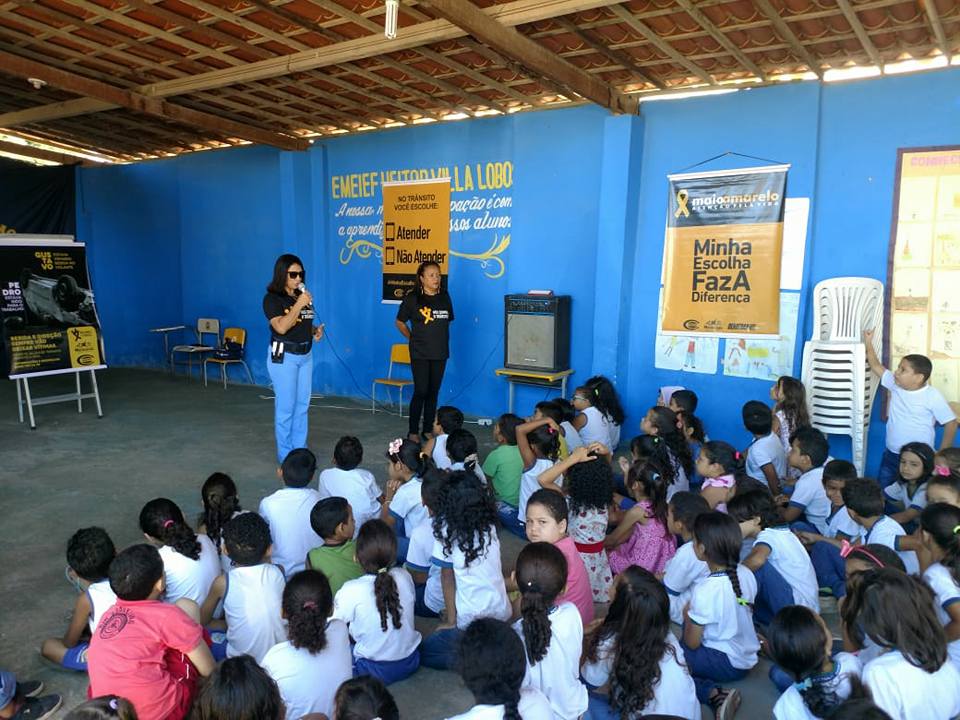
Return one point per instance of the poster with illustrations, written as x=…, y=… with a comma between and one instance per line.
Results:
x=685, y=353
x=766, y=359
x=924, y=310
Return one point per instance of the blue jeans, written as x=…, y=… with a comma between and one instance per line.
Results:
x=387, y=671
x=709, y=667
x=830, y=567
x=439, y=651
x=510, y=519
x=773, y=593
x=889, y=468
x=292, y=384
x=599, y=708
x=420, y=608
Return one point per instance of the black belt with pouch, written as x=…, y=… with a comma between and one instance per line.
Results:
x=279, y=348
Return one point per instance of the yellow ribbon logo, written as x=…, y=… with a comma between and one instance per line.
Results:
x=427, y=315
x=682, y=204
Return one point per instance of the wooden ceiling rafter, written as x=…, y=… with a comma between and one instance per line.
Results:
x=851, y=16
x=615, y=55
x=703, y=21
x=933, y=15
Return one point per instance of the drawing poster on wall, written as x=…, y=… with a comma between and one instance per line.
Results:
x=686, y=353
x=924, y=310
x=766, y=359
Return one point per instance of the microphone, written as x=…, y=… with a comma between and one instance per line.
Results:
x=302, y=288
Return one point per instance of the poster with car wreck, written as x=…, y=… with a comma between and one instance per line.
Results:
x=50, y=323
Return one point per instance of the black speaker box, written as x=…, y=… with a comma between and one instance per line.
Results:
x=536, y=332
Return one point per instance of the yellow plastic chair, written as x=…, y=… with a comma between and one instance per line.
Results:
x=399, y=355
x=238, y=336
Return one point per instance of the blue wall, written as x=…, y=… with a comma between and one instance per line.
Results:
x=587, y=217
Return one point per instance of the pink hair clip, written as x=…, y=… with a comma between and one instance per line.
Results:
x=309, y=605
x=846, y=550
x=941, y=470
x=736, y=455
x=394, y=446
x=168, y=523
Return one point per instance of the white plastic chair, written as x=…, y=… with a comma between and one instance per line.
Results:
x=205, y=326
x=840, y=385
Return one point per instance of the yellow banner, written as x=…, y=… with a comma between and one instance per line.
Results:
x=416, y=229
x=723, y=244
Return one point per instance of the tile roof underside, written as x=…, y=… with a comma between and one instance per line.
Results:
x=639, y=46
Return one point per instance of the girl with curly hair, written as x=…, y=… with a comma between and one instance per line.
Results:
x=633, y=662
x=311, y=664
x=664, y=423
x=378, y=608
x=467, y=550
x=589, y=489
x=552, y=634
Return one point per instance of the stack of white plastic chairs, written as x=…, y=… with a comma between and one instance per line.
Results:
x=840, y=385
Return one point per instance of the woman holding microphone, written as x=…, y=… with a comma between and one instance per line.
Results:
x=289, y=309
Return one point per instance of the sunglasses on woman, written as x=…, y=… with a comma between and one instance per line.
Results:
x=294, y=274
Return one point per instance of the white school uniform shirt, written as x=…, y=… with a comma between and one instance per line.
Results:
x=571, y=435
x=477, y=470
x=599, y=429
x=533, y=705
x=101, y=598
x=727, y=624
x=763, y=451
x=681, y=573
x=481, y=592
x=811, y=498
x=309, y=682
x=529, y=484
x=886, y=531
x=681, y=483
x=419, y=555
x=251, y=606
x=789, y=558
x=557, y=674
x=906, y=692
x=358, y=487
x=790, y=706
x=947, y=592
x=189, y=578
x=407, y=505
x=897, y=493
x=914, y=414
x=356, y=604
x=675, y=694
x=839, y=521
x=440, y=457
x=287, y=512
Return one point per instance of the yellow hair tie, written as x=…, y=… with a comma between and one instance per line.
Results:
x=956, y=530
x=742, y=601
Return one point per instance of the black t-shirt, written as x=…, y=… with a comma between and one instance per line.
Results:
x=275, y=305
x=430, y=325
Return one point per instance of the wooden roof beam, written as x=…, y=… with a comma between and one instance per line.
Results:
x=36, y=153
x=115, y=96
x=620, y=57
x=660, y=43
x=532, y=54
x=707, y=24
x=930, y=7
x=784, y=31
x=851, y=16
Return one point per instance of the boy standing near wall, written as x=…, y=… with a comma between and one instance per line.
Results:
x=915, y=408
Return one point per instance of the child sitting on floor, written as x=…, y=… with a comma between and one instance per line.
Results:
x=239, y=689
x=547, y=515
x=944, y=486
x=539, y=444
x=426, y=575
x=348, y=480
x=364, y=698
x=332, y=519
x=287, y=511
x=633, y=663
x=552, y=632
x=567, y=414
x=220, y=505
x=809, y=452
x=601, y=414
x=252, y=593
x=766, y=461
x=504, y=466
x=642, y=538
x=147, y=651
x=940, y=531
x=463, y=453
x=780, y=564
x=664, y=423
x=906, y=496
x=447, y=420
x=719, y=464
x=378, y=609
x=403, y=506
x=310, y=665
x=89, y=554
x=789, y=414
x=467, y=550
x=684, y=569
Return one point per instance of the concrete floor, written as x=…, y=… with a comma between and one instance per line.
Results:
x=162, y=436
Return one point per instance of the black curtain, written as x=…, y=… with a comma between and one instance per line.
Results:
x=37, y=200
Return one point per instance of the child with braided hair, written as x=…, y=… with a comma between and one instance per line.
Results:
x=311, y=664
x=552, y=634
x=378, y=608
x=719, y=641
x=220, y=505
x=940, y=533
x=664, y=423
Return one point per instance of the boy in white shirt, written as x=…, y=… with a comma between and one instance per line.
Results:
x=448, y=419
x=684, y=569
x=349, y=481
x=809, y=451
x=916, y=408
x=784, y=573
x=287, y=512
x=827, y=562
x=766, y=461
